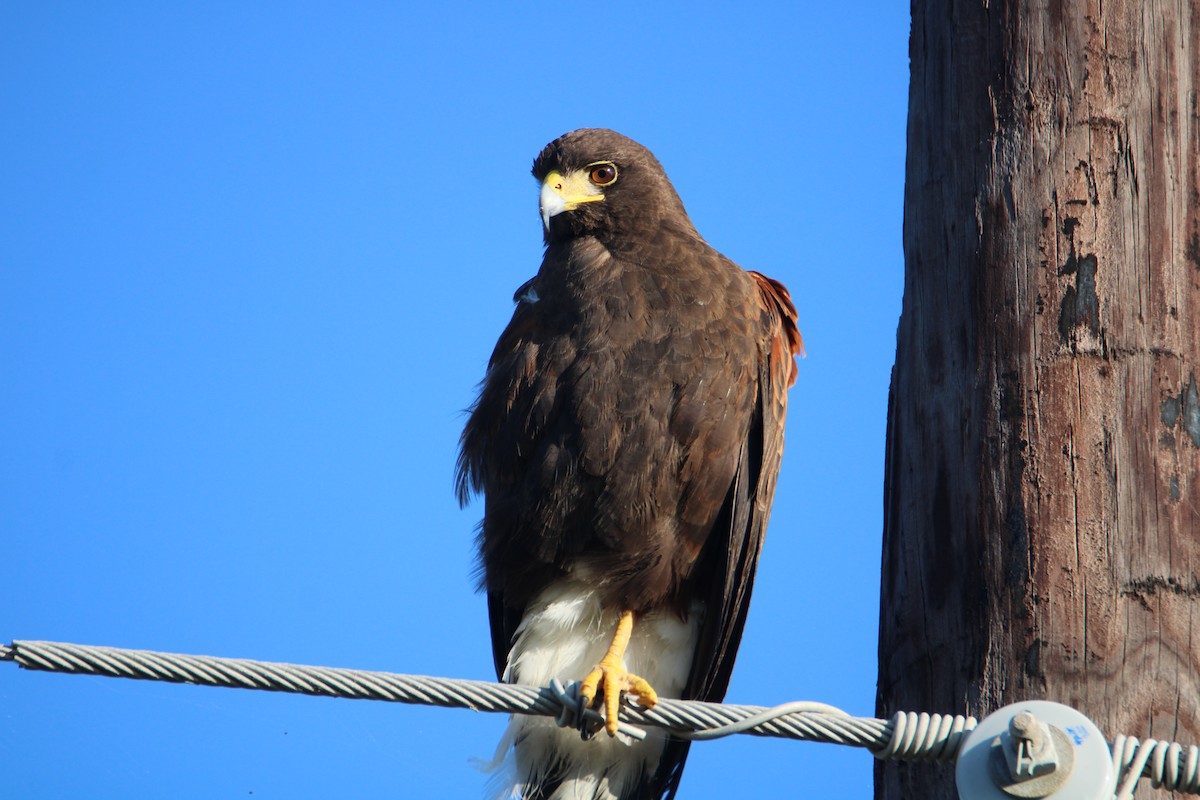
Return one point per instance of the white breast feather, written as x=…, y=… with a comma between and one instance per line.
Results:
x=563, y=635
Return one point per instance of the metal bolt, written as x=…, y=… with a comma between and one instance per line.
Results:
x=1031, y=759
x=1024, y=726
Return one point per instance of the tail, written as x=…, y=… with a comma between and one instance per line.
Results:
x=537, y=760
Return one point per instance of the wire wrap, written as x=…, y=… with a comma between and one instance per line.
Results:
x=687, y=718
x=1168, y=765
x=907, y=736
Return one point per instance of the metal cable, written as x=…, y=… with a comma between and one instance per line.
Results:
x=906, y=736
x=1168, y=765
x=686, y=718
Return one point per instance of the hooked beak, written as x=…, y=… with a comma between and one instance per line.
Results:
x=567, y=193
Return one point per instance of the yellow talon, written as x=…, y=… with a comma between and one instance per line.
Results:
x=616, y=679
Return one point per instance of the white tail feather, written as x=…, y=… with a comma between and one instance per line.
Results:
x=564, y=633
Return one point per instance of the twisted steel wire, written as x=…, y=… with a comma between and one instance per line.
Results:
x=817, y=722
x=906, y=736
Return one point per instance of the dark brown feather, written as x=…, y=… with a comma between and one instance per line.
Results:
x=632, y=418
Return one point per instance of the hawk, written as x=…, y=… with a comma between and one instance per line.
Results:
x=627, y=439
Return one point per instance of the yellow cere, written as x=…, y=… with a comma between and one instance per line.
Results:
x=566, y=193
x=574, y=188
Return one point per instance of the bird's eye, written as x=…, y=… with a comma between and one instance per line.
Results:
x=602, y=174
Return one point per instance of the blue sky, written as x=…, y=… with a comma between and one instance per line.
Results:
x=253, y=260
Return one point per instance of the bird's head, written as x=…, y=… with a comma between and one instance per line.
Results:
x=596, y=182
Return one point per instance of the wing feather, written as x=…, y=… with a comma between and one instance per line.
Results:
x=731, y=557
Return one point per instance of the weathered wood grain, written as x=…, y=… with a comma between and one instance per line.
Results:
x=1042, y=498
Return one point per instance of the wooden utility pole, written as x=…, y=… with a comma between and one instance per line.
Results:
x=1042, y=496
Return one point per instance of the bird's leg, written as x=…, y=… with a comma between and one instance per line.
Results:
x=615, y=679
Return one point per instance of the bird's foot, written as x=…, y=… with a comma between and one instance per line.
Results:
x=613, y=681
